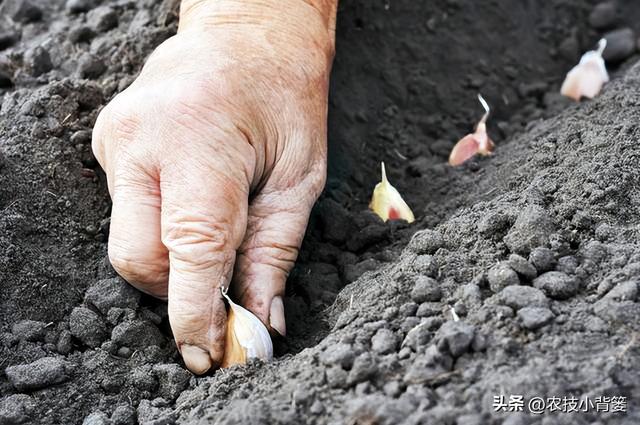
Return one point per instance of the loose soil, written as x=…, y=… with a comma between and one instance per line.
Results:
x=519, y=276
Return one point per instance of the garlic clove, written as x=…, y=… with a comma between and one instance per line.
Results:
x=387, y=202
x=476, y=143
x=246, y=338
x=588, y=77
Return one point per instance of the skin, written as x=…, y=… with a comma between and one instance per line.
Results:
x=214, y=157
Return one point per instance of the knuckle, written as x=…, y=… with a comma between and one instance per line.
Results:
x=137, y=269
x=272, y=246
x=116, y=122
x=199, y=242
x=278, y=255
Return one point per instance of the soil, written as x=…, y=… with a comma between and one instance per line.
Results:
x=519, y=276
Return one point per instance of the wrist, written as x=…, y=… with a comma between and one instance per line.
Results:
x=294, y=16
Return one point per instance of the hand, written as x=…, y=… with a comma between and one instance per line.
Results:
x=214, y=157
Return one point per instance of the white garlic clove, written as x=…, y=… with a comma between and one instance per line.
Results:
x=476, y=143
x=588, y=77
x=387, y=202
x=246, y=338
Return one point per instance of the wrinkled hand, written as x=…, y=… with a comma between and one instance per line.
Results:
x=214, y=157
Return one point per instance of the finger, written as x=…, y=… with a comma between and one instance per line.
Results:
x=276, y=225
x=135, y=246
x=204, y=209
x=117, y=125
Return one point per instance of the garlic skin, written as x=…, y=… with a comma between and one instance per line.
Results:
x=387, y=202
x=246, y=338
x=588, y=77
x=476, y=143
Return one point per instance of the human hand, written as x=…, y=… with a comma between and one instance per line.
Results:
x=214, y=157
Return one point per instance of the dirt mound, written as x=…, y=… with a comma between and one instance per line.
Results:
x=519, y=276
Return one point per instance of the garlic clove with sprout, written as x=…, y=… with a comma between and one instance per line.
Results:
x=476, y=143
x=587, y=78
x=387, y=202
x=246, y=337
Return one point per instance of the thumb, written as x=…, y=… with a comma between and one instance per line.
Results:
x=203, y=221
x=276, y=224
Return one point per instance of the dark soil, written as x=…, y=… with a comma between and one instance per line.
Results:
x=535, y=249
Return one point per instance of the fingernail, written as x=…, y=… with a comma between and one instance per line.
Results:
x=196, y=359
x=276, y=316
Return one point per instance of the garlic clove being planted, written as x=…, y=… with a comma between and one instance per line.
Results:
x=246, y=338
x=476, y=143
x=587, y=77
x=387, y=203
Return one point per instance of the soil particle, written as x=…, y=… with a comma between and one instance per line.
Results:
x=624, y=291
x=534, y=317
x=341, y=355
x=364, y=367
x=29, y=330
x=428, y=366
x=90, y=66
x=22, y=11
x=604, y=15
x=502, y=275
x=137, y=334
x=419, y=336
x=113, y=292
x=335, y=221
x=523, y=267
x=16, y=409
x=37, y=62
x=408, y=309
x=532, y=228
x=557, y=285
x=618, y=312
x=543, y=259
x=117, y=315
x=87, y=326
x=102, y=19
x=426, y=289
x=154, y=412
x=97, y=418
x=567, y=264
x=392, y=388
x=353, y=271
x=78, y=6
x=518, y=296
x=427, y=309
x=384, y=341
x=621, y=44
x=64, y=344
x=124, y=352
x=455, y=337
x=143, y=378
x=41, y=373
x=82, y=34
x=336, y=377
x=378, y=410
x=172, y=379
x=426, y=242
x=469, y=294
